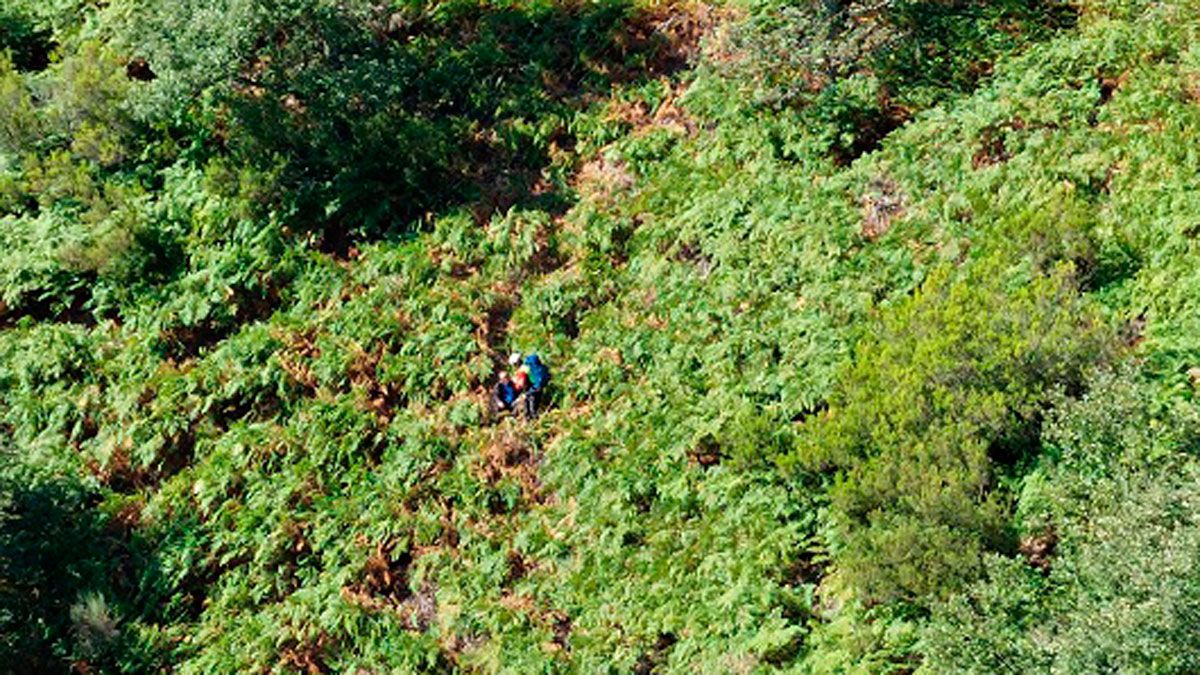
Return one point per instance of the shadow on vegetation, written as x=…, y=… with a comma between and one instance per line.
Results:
x=28, y=45
x=60, y=568
x=383, y=121
x=861, y=70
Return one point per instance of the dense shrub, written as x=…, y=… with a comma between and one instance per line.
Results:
x=54, y=571
x=28, y=44
x=1120, y=589
x=861, y=69
x=950, y=385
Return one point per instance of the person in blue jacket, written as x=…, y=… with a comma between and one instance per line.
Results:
x=504, y=395
x=533, y=377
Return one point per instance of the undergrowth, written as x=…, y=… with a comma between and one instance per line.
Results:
x=871, y=327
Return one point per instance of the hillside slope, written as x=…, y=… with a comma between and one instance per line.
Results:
x=872, y=331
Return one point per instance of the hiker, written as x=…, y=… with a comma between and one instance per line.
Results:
x=520, y=377
x=505, y=393
x=534, y=376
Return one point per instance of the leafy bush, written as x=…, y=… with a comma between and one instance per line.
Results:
x=952, y=383
x=58, y=557
x=28, y=44
x=861, y=69
x=1120, y=591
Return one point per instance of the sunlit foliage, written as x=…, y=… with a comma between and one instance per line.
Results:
x=872, y=330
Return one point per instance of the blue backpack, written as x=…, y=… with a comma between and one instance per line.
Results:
x=539, y=374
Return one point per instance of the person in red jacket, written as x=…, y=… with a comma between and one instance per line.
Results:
x=521, y=377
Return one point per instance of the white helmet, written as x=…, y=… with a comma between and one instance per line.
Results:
x=514, y=358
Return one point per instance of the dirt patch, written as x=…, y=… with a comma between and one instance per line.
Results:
x=422, y=608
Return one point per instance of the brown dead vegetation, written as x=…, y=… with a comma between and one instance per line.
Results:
x=679, y=29
x=385, y=575
x=556, y=621
x=119, y=472
x=458, y=269
x=1038, y=549
x=385, y=586
x=362, y=372
x=128, y=516
x=666, y=39
x=992, y=144
x=508, y=455
x=382, y=397
x=668, y=114
x=518, y=568
x=456, y=645
x=602, y=180
x=491, y=329
x=307, y=656
x=882, y=205
x=706, y=452
x=991, y=149
x=560, y=626
x=301, y=348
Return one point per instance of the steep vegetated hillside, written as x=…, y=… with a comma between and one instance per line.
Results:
x=873, y=329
